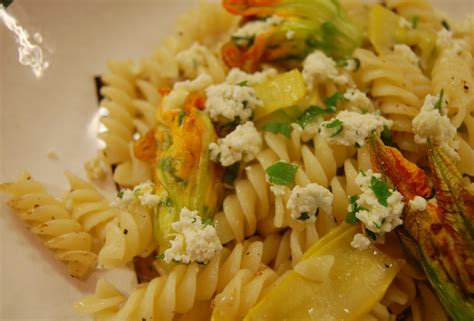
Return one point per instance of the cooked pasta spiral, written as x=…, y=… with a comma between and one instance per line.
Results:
x=119, y=92
x=133, y=171
x=88, y=206
x=245, y=290
x=398, y=88
x=48, y=218
x=128, y=235
x=177, y=291
x=419, y=9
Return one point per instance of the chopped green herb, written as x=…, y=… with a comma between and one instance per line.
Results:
x=332, y=101
x=161, y=256
x=336, y=124
x=371, y=234
x=278, y=128
x=230, y=174
x=166, y=165
x=194, y=220
x=344, y=62
x=303, y=217
x=311, y=113
x=445, y=24
x=356, y=145
x=328, y=28
x=243, y=41
x=181, y=118
x=380, y=189
x=136, y=191
x=281, y=173
x=377, y=225
x=120, y=194
x=414, y=22
x=386, y=136
x=243, y=83
x=207, y=221
x=351, y=217
x=168, y=202
x=439, y=102
x=6, y=3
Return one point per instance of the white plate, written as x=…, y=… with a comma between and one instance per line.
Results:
x=58, y=112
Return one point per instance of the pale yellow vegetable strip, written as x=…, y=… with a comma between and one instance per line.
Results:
x=357, y=281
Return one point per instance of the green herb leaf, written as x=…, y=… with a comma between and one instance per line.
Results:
x=414, y=21
x=161, y=256
x=336, y=124
x=207, y=221
x=332, y=101
x=445, y=24
x=243, y=41
x=281, y=173
x=439, y=102
x=380, y=189
x=303, y=217
x=351, y=217
x=181, y=118
x=120, y=194
x=230, y=174
x=341, y=63
x=311, y=113
x=386, y=136
x=243, y=83
x=278, y=128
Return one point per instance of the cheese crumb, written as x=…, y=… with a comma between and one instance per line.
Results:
x=360, y=242
x=245, y=142
x=176, y=99
x=194, y=60
x=97, y=168
x=418, y=203
x=144, y=193
x=317, y=67
x=358, y=100
x=377, y=217
x=449, y=45
x=194, y=241
x=406, y=52
x=246, y=34
x=304, y=202
x=237, y=76
x=350, y=128
x=278, y=190
x=430, y=124
x=227, y=103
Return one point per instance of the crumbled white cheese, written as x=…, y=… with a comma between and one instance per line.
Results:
x=278, y=190
x=227, y=102
x=352, y=64
x=304, y=202
x=375, y=216
x=194, y=241
x=353, y=127
x=194, y=60
x=290, y=34
x=176, y=99
x=404, y=23
x=96, y=168
x=358, y=100
x=318, y=67
x=451, y=46
x=360, y=242
x=405, y=51
x=243, y=143
x=245, y=34
x=143, y=193
x=237, y=76
x=430, y=124
x=418, y=203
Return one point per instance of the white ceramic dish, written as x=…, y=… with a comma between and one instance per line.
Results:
x=59, y=112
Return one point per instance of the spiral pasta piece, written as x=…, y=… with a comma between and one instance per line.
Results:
x=419, y=9
x=119, y=92
x=133, y=171
x=244, y=291
x=48, y=218
x=88, y=206
x=398, y=88
x=178, y=291
x=128, y=235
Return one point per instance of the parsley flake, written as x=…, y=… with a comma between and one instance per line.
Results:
x=278, y=128
x=380, y=189
x=371, y=234
x=439, y=102
x=311, y=113
x=351, y=217
x=336, y=124
x=414, y=21
x=120, y=194
x=230, y=174
x=332, y=101
x=243, y=83
x=207, y=221
x=386, y=136
x=281, y=173
x=303, y=217
x=445, y=24
x=181, y=118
